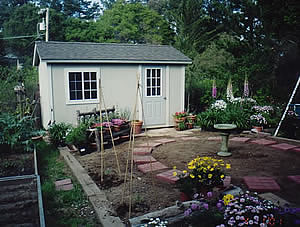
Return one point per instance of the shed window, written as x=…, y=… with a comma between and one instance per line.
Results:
x=83, y=85
x=153, y=82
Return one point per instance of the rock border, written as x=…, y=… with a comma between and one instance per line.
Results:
x=104, y=211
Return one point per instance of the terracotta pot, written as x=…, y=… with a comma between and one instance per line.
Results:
x=258, y=128
x=137, y=126
x=189, y=125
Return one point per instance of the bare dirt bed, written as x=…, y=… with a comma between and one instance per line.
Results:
x=150, y=194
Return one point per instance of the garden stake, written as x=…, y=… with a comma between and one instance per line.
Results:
x=131, y=169
x=111, y=136
x=101, y=136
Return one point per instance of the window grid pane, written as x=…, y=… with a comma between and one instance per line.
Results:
x=82, y=85
x=153, y=82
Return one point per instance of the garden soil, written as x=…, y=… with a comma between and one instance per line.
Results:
x=149, y=194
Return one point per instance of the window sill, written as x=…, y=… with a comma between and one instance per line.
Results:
x=82, y=102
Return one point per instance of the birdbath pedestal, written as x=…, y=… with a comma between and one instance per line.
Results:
x=224, y=130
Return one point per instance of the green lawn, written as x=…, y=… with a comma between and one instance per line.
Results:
x=62, y=208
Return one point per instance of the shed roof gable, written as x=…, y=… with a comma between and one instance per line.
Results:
x=106, y=52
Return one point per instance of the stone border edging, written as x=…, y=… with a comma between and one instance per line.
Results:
x=101, y=205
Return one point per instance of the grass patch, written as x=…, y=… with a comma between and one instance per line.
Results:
x=62, y=208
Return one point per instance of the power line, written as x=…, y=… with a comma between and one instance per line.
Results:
x=21, y=37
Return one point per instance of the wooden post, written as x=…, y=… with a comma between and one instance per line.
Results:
x=78, y=117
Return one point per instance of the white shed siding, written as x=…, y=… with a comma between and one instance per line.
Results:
x=176, y=90
x=44, y=94
x=118, y=83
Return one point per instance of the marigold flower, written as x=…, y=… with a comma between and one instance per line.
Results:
x=222, y=176
x=174, y=167
x=184, y=171
x=192, y=175
x=174, y=174
x=228, y=166
x=212, y=169
x=209, y=176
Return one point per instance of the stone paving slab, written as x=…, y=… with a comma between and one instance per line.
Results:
x=138, y=159
x=142, y=151
x=296, y=178
x=214, y=138
x=239, y=139
x=261, y=184
x=63, y=182
x=168, y=176
x=190, y=138
x=150, y=144
x=165, y=141
x=65, y=187
x=274, y=199
x=145, y=168
x=263, y=142
x=283, y=146
x=296, y=149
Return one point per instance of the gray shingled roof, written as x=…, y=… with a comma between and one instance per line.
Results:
x=69, y=51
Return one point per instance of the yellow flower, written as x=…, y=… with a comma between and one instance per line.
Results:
x=184, y=171
x=215, y=164
x=192, y=175
x=174, y=174
x=228, y=166
x=222, y=176
x=191, y=167
x=208, y=167
x=227, y=198
x=212, y=169
x=199, y=176
x=174, y=167
x=209, y=176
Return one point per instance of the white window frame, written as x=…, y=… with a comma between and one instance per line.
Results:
x=82, y=70
x=161, y=82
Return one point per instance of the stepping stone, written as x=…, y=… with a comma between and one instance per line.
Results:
x=64, y=185
x=150, y=144
x=274, y=199
x=239, y=139
x=164, y=141
x=189, y=138
x=283, y=146
x=142, y=151
x=263, y=142
x=138, y=159
x=214, y=138
x=168, y=176
x=227, y=181
x=145, y=168
x=261, y=184
x=296, y=149
x=296, y=178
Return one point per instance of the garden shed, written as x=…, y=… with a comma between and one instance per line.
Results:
x=70, y=73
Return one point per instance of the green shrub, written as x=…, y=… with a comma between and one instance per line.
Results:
x=77, y=136
x=58, y=132
x=16, y=133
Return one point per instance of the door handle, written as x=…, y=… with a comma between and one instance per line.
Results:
x=165, y=98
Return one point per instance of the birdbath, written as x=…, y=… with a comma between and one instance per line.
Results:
x=224, y=130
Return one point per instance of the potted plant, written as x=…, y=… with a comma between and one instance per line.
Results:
x=180, y=126
x=137, y=126
x=258, y=121
x=190, y=123
x=78, y=136
x=181, y=116
x=202, y=175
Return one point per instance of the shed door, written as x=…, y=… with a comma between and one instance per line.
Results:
x=154, y=96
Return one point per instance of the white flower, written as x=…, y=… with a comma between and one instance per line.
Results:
x=250, y=222
x=219, y=105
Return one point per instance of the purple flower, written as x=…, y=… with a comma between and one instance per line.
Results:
x=194, y=206
x=219, y=205
x=209, y=194
x=196, y=196
x=187, y=212
x=205, y=205
x=214, y=90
